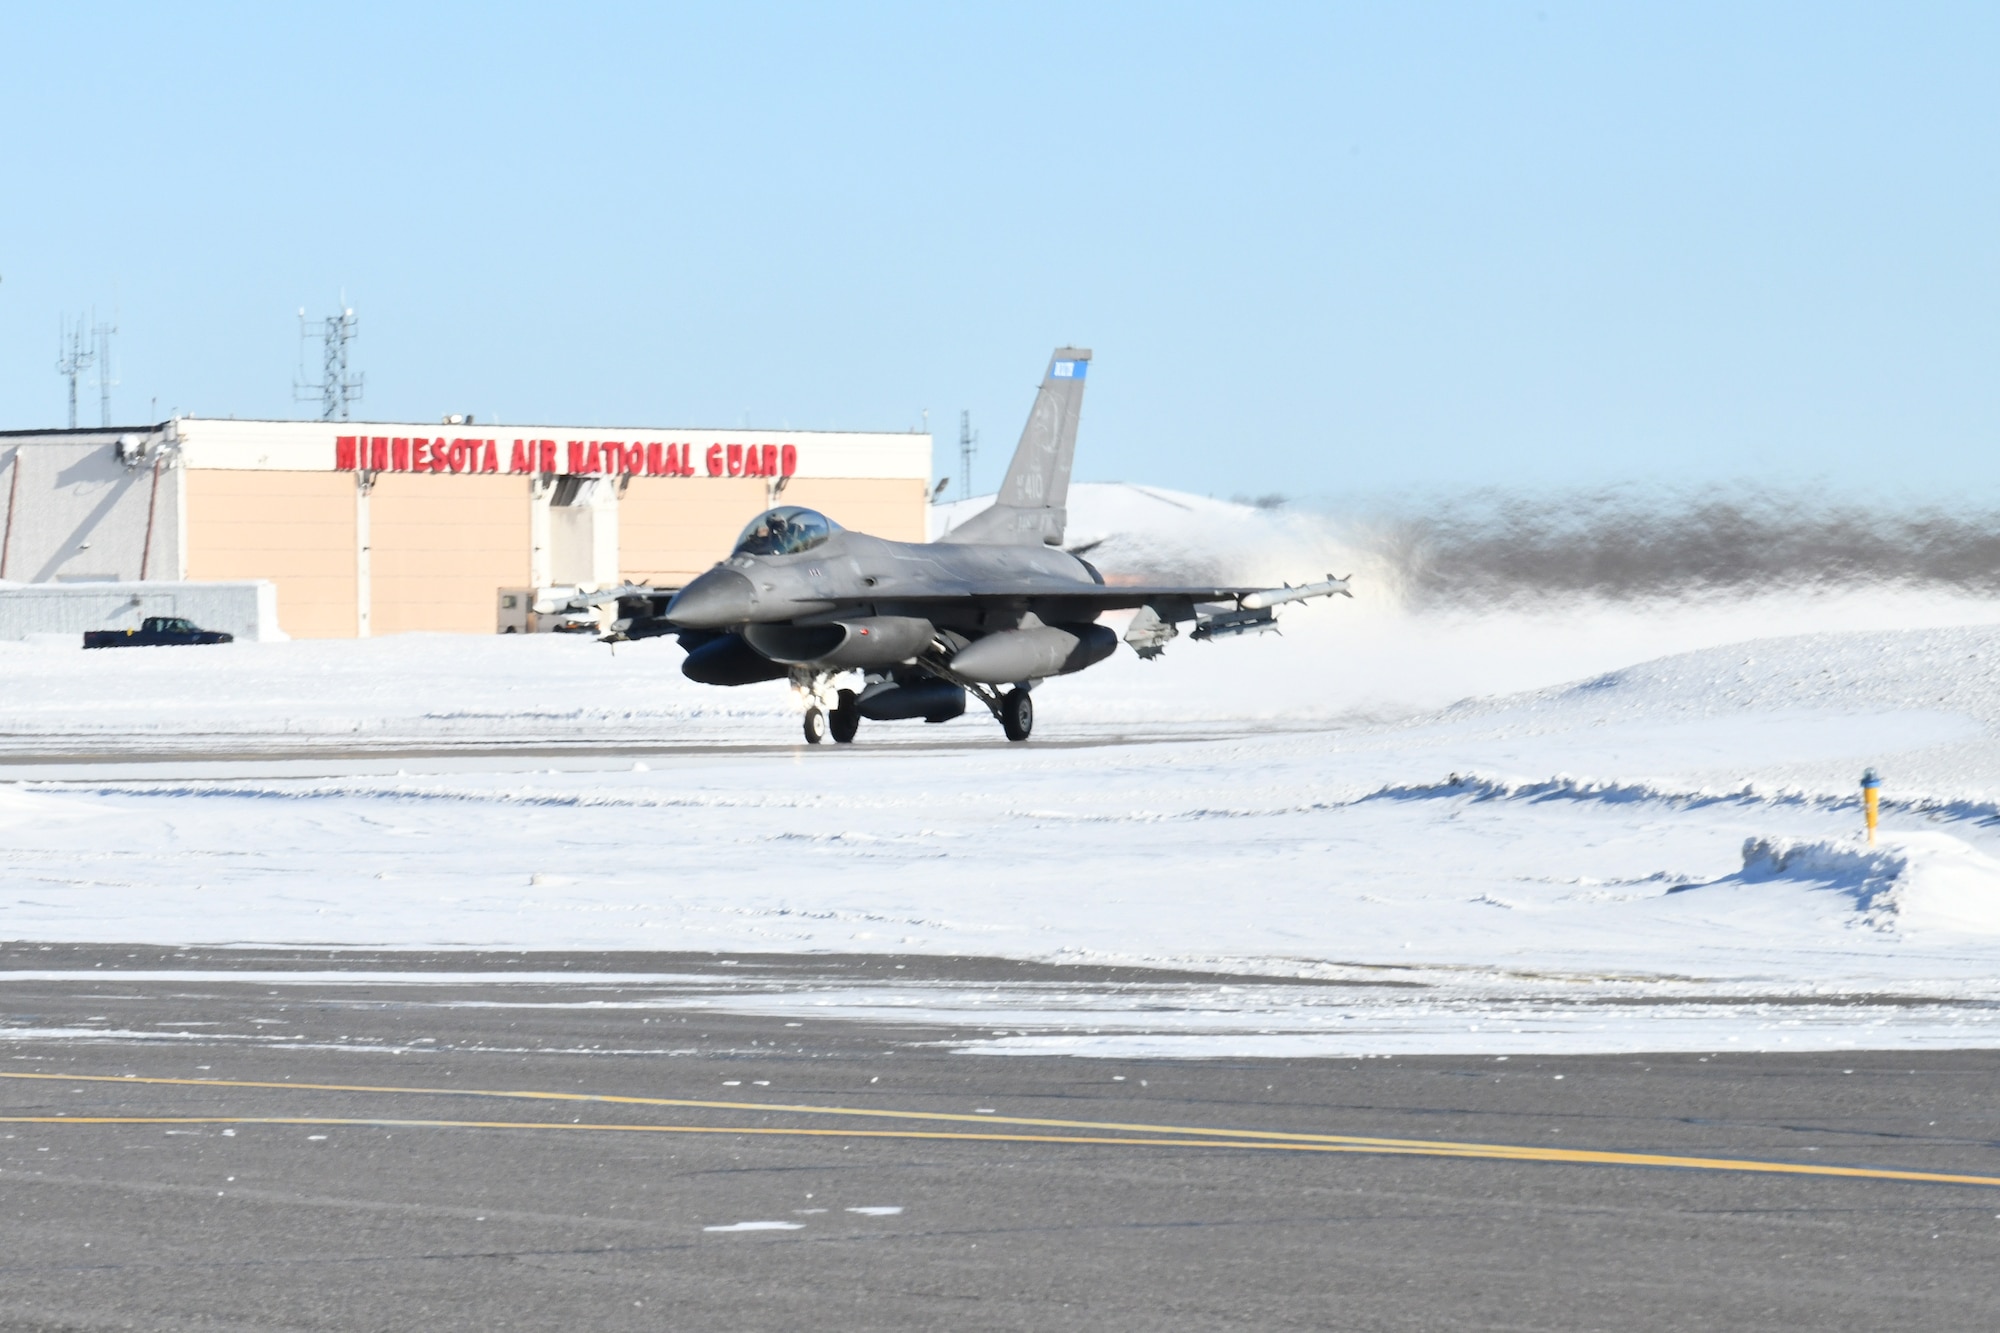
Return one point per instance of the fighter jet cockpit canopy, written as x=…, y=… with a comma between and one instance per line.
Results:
x=787, y=530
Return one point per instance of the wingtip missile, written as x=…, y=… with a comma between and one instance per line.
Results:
x=1269, y=597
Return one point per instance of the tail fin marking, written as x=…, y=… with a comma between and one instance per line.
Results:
x=1030, y=506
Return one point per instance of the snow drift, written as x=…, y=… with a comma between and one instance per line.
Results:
x=1913, y=881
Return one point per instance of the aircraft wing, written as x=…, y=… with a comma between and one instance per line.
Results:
x=1164, y=598
x=1085, y=600
x=1217, y=612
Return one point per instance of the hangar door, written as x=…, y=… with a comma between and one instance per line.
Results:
x=441, y=547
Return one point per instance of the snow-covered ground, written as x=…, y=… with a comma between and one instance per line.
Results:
x=1583, y=826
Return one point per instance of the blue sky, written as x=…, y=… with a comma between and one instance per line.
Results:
x=1327, y=250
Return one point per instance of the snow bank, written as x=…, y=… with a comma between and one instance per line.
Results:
x=1518, y=857
x=1914, y=881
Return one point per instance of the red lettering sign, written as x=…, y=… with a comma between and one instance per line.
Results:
x=382, y=453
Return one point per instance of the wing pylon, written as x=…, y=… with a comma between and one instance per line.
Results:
x=1253, y=611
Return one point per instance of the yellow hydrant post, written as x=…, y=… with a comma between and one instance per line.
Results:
x=1870, y=799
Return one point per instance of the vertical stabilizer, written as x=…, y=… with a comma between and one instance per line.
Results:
x=1030, y=507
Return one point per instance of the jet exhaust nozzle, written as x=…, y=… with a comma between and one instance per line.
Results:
x=863, y=642
x=1030, y=654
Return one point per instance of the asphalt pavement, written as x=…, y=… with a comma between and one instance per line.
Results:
x=247, y=1139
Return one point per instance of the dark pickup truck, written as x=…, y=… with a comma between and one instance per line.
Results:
x=154, y=632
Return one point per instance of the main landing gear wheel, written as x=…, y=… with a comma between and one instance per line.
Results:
x=844, y=720
x=1017, y=714
x=815, y=725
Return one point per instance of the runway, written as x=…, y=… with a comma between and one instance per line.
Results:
x=194, y=757
x=350, y=1140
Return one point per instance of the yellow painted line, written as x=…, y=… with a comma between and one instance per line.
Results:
x=683, y=1103
x=1190, y=1135
x=769, y=1132
x=1415, y=1148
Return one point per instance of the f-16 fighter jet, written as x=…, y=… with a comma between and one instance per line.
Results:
x=992, y=609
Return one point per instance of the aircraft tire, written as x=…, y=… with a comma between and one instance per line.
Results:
x=1017, y=714
x=845, y=720
x=815, y=726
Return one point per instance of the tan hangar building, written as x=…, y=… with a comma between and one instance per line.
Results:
x=381, y=528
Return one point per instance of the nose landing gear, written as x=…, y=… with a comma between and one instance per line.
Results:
x=841, y=722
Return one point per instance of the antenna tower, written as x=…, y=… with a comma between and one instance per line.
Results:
x=968, y=445
x=335, y=389
x=103, y=334
x=73, y=357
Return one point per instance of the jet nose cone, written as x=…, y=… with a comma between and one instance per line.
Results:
x=717, y=598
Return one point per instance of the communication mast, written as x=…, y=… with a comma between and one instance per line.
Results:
x=73, y=357
x=103, y=333
x=968, y=445
x=335, y=389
